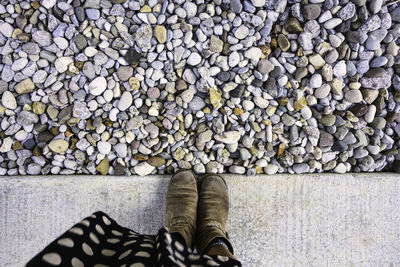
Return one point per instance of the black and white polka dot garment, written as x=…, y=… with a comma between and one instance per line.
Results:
x=100, y=241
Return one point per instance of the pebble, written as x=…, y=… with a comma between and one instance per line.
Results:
x=311, y=11
x=241, y=32
x=103, y=166
x=353, y=96
x=98, y=86
x=58, y=146
x=143, y=169
x=8, y=100
x=125, y=101
x=194, y=59
x=42, y=38
x=161, y=34
x=104, y=147
x=92, y=14
x=6, y=29
x=63, y=63
x=229, y=137
x=322, y=91
x=124, y=73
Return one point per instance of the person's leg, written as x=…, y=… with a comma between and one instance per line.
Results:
x=213, y=209
x=182, y=206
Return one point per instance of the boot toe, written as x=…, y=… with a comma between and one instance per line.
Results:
x=214, y=182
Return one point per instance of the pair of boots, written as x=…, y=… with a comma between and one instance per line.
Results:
x=199, y=212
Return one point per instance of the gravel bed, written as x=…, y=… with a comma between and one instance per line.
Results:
x=142, y=87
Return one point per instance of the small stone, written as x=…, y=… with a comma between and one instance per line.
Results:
x=236, y=6
x=293, y=25
x=347, y=12
x=25, y=86
x=322, y=91
x=19, y=64
x=81, y=42
x=328, y=120
x=271, y=169
x=316, y=80
x=143, y=36
x=6, y=145
x=353, y=96
x=63, y=63
x=194, y=59
x=311, y=11
x=153, y=112
x=42, y=38
x=265, y=66
x=301, y=168
x=375, y=6
x=132, y=56
x=229, y=137
x=143, y=168
x=238, y=91
x=125, y=101
x=38, y=108
x=258, y=3
x=216, y=45
x=58, y=146
x=375, y=38
x=325, y=139
x=80, y=110
x=49, y=3
x=156, y=161
x=254, y=54
x=283, y=43
x=197, y=103
x=103, y=166
x=205, y=136
x=153, y=93
x=8, y=100
x=237, y=169
x=190, y=8
x=215, y=97
x=161, y=34
x=288, y=120
x=33, y=169
x=234, y=59
x=241, y=32
x=124, y=73
x=27, y=118
x=6, y=29
x=98, y=86
x=93, y=14
x=340, y=69
x=317, y=61
x=332, y=23
x=134, y=83
x=379, y=123
x=104, y=147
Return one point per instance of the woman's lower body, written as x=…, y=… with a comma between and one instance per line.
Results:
x=196, y=217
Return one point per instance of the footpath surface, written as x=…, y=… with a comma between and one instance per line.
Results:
x=278, y=220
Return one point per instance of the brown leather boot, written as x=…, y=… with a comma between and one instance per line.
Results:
x=182, y=205
x=212, y=212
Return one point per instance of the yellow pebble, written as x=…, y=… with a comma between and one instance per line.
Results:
x=207, y=110
x=281, y=149
x=145, y=9
x=134, y=83
x=215, y=97
x=301, y=103
x=238, y=111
